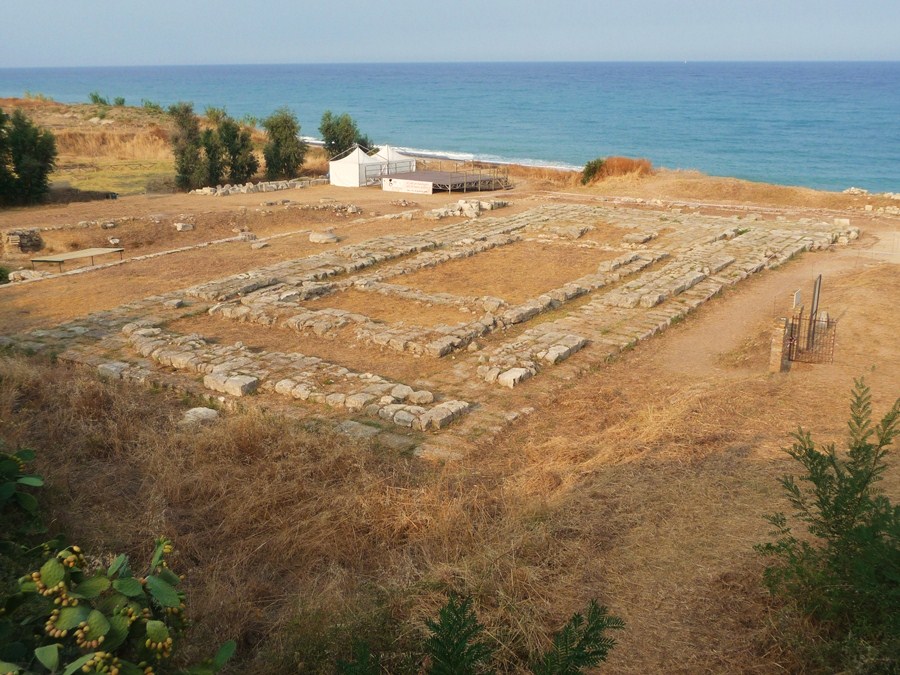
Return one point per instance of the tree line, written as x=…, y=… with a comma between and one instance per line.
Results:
x=222, y=150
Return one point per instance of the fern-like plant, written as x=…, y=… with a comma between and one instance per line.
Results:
x=581, y=643
x=455, y=646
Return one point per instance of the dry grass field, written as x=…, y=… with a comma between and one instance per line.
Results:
x=640, y=480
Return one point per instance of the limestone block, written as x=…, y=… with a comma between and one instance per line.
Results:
x=335, y=400
x=388, y=411
x=240, y=385
x=323, y=238
x=356, y=402
x=215, y=381
x=184, y=227
x=513, y=376
x=113, y=369
x=199, y=416
x=404, y=418
x=420, y=397
x=436, y=418
x=401, y=392
x=285, y=387
x=301, y=391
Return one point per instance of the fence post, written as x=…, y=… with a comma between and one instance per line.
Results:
x=779, y=356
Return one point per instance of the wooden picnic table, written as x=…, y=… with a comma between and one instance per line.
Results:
x=76, y=255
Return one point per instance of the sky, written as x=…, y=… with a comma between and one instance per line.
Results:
x=36, y=33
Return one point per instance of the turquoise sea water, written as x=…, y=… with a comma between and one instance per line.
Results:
x=822, y=125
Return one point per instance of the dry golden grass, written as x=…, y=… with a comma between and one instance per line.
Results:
x=149, y=144
x=514, y=273
x=637, y=486
x=315, y=163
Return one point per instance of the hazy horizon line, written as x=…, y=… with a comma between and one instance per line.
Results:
x=441, y=62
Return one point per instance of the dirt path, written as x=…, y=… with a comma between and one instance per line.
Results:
x=726, y=329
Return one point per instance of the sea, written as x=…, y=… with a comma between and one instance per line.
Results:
x=824, y=125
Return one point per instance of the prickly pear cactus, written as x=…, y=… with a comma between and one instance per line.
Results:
x=103, y=619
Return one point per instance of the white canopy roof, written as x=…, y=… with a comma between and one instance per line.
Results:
x=355, y=168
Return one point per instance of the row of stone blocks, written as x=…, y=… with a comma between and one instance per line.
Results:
x=234, y=370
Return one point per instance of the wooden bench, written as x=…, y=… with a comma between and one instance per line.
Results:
x=76, y=255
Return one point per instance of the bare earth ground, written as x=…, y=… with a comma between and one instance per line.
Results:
x=642, y=482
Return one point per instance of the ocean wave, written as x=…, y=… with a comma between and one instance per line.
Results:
x=491, y=159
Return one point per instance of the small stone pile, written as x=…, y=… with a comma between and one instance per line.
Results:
x=263, y=186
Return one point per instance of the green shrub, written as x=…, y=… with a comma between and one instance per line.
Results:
x=4, y=275
x=284, y=150
x=119, y=101
x=591, y=169
x=97, y=99
x=151, y=106
x=844, y=573
x=27, y=157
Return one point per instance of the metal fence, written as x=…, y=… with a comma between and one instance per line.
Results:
x=811, y=340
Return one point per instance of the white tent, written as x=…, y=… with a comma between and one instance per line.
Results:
x=355, y=168
x=389, y=153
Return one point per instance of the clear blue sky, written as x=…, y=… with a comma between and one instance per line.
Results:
x=102, y=32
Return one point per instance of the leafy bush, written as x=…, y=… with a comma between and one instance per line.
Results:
x=27, y=157
x=4, y=275
x=845, y=575
x=591, y=169
x=340, y=132
x=151, y=106
x=284, y=151
x=119, y=101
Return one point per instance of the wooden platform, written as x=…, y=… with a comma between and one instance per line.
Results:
x=76, y=255
x=428, y=182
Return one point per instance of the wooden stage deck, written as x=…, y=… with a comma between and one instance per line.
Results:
x=428, y=181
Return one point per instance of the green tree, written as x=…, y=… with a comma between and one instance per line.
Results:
x=27, y=157
x=845, y=573
x=213, y=157
x=340, y=132
x=284, y=150
x=189, y=167
x=238, y=146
